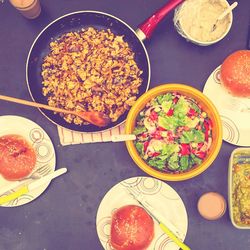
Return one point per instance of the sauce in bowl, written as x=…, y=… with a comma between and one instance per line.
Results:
x=211, y=205
x=196, y=20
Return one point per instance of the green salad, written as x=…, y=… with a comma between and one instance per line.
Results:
x=173, y=133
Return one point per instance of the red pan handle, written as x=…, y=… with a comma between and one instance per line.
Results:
x=146, y=29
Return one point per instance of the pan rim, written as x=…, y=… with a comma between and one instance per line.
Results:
x=73, y=13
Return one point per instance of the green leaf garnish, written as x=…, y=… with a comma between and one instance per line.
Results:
x=184, y=163
x=139, y=130
x=139, y=147
x=192, y=136
x=164, y=98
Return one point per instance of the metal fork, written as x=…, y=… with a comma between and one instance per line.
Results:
x=38, y=173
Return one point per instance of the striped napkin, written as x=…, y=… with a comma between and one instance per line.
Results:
x=69, y=137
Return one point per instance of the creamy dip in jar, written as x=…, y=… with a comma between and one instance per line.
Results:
x=196, y=19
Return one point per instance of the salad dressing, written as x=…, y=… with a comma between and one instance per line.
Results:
x=211, y=206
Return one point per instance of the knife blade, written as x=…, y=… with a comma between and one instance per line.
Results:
x=150, y=210
x=31, y=186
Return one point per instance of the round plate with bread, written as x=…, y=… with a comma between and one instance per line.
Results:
x=20, y=127
x=164, y=199
x=234, y=111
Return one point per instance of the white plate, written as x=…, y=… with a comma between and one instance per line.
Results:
x=164, y=199
x=38, y=138
x=234, y=111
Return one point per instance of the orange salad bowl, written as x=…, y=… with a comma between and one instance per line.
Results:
x=206, y=105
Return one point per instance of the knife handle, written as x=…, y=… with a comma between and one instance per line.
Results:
x=125, y=137
x=173, y=237
x=6, y=198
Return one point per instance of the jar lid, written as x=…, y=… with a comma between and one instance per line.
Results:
x=211, y=206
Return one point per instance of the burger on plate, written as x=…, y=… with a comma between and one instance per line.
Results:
x=132, y=228
x=235, y=73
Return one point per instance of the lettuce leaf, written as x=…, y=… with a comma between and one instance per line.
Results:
x=181, y=107
x=164, y=98
x=191, y=123
x=154, y=102
x=172, y=122
x=166, y=106
x=195, y=107
x=139, y=147
x=139, y=130
x=192, y=136
x=195, y=160
x=184, y=163
x=160, y=164
x=168, y=122
x=156, y=145
x=169, y=149
x=173, y=162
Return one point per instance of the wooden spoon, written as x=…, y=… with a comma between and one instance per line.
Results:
x=97, y=118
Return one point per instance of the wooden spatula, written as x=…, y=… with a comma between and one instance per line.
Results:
x=97, y=118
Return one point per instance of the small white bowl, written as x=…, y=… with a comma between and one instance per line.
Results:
x=185, y=34
x=246, y=152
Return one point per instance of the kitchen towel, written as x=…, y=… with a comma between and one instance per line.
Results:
x=69, y=137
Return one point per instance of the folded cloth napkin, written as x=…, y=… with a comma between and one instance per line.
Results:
x=69, y=137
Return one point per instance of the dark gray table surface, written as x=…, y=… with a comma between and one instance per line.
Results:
x=63, y=217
